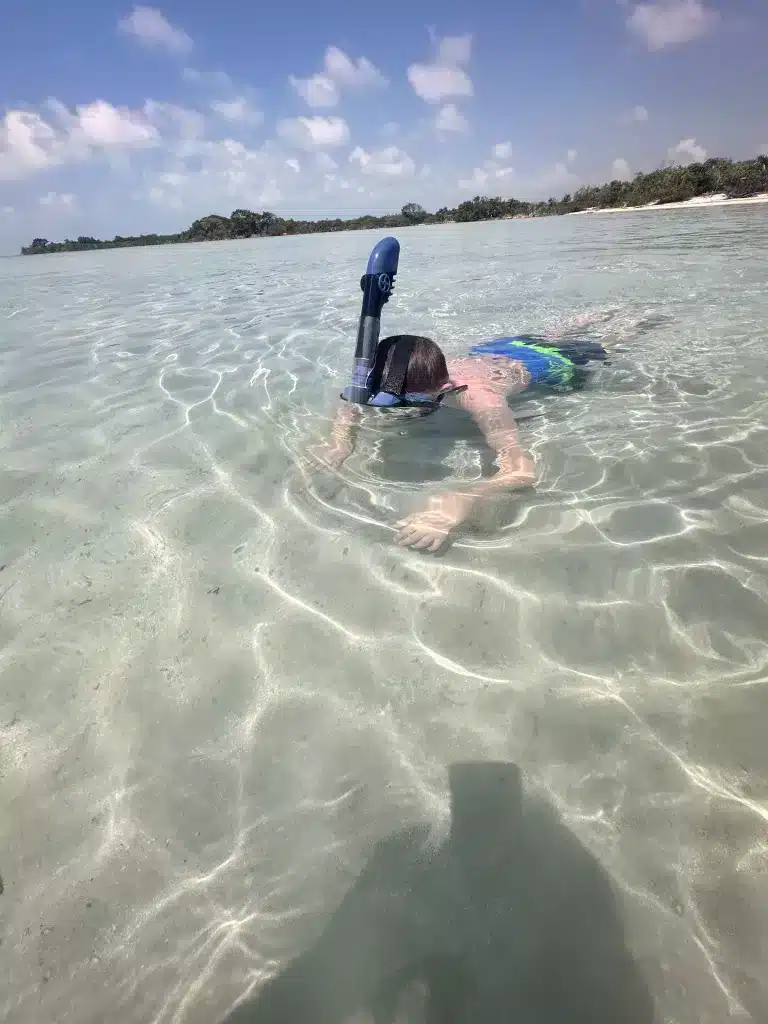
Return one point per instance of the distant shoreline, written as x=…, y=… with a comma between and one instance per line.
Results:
x=716, y=182
x=697, y=203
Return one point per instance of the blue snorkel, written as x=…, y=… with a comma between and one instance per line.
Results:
x=377, y=284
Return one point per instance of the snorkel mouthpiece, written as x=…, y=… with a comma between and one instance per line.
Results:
x=377, y=284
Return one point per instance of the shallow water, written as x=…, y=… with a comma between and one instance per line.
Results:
x=223, y=684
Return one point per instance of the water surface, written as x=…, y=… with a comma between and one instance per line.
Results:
x=222, y=685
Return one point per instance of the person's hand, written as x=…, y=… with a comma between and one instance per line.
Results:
x=430, y=528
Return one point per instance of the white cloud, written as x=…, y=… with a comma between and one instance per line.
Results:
x=354, y=74
x=101, y=124
x=450, y=119
x=687, y=151
x=639, y=113
x=171, y=178
x=325, y=162
x=434, y=84
x=620, y=169
x=547, y=181
x=340, y=71
x=444, y=77
x=152, y=28
x=389, y=162
x=333, y=183
x=30, y=143
x=496, y=170
x=572, y=154
x=27, y=143
x=671, y=22
x=175, y=166
x=170, y=119
x=224, y=99
x=317, y=91
x=478, y=180
x=157, y=195
x=7, y=211
x=558, y=175
x=202, y=173
x=314, y=132
x=238, y=110
x=62, y=201
x=502, y=150
x=270, y=193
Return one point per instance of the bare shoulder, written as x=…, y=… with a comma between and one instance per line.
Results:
x=489, y=380
x=489, y=385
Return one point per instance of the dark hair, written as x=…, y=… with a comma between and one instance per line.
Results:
x=427, y=369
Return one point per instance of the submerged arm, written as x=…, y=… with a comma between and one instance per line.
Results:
x=430, y=527
x=341, y=442
x=515, y=469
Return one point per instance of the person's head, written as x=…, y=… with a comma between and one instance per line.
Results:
x=427, y=370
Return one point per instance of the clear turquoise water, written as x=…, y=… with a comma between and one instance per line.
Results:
x=221, y=684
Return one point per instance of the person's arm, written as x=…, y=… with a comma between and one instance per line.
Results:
x=429, y=528
x=341, y=442
x=515, y=469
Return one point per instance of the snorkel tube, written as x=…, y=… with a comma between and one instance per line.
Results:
x=377, y=284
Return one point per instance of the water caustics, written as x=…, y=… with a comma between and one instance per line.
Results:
x=223, y=685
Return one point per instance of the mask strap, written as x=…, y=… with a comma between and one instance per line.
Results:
x=394, y=382
x=451, y=391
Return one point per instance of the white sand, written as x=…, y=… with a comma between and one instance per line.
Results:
x=719, y=199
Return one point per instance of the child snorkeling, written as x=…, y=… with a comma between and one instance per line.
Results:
x=412, y=370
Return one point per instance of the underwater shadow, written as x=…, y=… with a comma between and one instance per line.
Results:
x=511, y=919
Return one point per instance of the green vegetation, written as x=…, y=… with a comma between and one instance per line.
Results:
x=667, y=185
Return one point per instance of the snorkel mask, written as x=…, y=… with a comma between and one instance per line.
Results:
x=370, y=385
x=388, y=383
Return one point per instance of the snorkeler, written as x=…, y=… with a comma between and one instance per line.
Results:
x=412, y=370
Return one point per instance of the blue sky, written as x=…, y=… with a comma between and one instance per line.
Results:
x=123, y=119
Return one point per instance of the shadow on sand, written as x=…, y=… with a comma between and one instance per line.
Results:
x=511, y=919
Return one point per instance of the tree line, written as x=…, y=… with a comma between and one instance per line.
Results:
x=671, y=184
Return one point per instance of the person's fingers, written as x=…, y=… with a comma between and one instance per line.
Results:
x=418, y=538
x=414, y=532
x=406, y=535
x=407, y=526
x=421, y=540
x=426, y=541
x=410, y=539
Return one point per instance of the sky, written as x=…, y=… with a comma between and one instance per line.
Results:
x=121, y=119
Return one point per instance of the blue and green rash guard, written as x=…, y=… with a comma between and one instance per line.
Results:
x=554, y=364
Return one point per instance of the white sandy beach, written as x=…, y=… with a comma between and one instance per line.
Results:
x=719, y=199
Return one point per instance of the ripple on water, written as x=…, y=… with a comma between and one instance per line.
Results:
x=222, y=684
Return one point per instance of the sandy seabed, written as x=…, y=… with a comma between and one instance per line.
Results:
x=225, y=692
